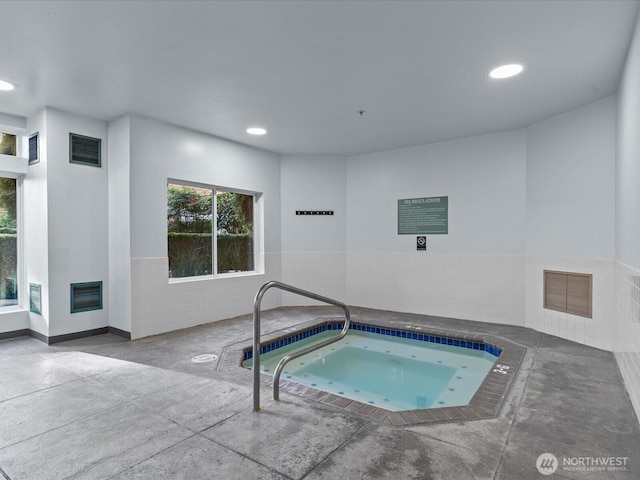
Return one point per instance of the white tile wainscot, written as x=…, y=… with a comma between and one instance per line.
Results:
x=319, y=272
x=627, y=339
x=597, y=331
x=160, y=306
x=488, y=288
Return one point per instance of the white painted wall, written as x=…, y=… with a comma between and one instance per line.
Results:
x=12, y=120
x=474, y=272
x=313, y=183
x=482, y=176
x=35, y=229
x=628, y=164
x=159, y=151
x=313, y=247
x=119, y=299
x=627, y=340
x=77, y=198
x=571, y=183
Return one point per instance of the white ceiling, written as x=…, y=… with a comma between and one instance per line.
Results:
x=304, y=69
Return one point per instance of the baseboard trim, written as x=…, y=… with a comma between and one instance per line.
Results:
x=66, y=337
x=38, y=336
x=120, y=333
x=14, y=334
x=76, y=335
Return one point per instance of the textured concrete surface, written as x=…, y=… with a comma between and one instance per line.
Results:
x=106, y=408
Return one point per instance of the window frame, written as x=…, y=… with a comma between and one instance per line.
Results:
x=258, y=260
x=20, y=134
x=9, y=171
x=36, y=160
x=17, y=142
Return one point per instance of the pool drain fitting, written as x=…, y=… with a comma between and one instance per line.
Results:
x=204, y=358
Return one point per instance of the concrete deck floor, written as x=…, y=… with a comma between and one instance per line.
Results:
x=107, y=408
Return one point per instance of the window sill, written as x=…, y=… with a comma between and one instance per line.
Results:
x=13, y=309
x=12, y=166
x=219, y=276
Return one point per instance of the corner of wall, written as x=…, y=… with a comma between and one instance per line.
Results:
x=36, y=225
x=119, y=206
x=627, y=270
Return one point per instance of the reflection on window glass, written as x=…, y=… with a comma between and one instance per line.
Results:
x=8, y=243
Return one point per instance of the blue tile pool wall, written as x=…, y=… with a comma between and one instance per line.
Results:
x=283, y=341
x=421, y=337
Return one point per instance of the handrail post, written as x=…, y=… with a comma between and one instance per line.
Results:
x=256, y=336
x=256, y=345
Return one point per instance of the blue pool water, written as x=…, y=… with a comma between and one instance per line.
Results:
x=389, y=372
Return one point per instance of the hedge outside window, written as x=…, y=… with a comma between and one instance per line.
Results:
x=8, y=144
x=8, y=243
x=191, y=221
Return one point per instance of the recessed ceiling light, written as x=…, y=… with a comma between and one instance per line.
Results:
x=256, y=131
x=6, y=86
x=506, y=71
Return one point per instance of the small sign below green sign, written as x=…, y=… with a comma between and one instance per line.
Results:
x=428, y=215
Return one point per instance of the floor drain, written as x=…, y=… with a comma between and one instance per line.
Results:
x=204, y=358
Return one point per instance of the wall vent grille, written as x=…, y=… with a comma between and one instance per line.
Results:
x=35, y=298
x=34, y=149
x=568, y=292
x=85, y=150
x=86, y=296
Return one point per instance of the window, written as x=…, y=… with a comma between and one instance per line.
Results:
x=193, y=217
x=8, y=144
x=568, y=292
x=8, y=242
x=34, y=149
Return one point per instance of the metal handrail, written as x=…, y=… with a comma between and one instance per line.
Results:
x=256, y=337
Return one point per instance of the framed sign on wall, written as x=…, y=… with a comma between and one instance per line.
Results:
x=429, y=216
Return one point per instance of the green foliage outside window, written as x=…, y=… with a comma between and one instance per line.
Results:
x=189, y=209
x=8, y=144
x=234, y=213
x=190, y=226
x=235, y=232
x=8, y=243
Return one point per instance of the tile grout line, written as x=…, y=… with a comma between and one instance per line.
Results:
x=244, y=455
x=7, y=477
x=65, y=368
x=141, y=461
x=26, y=394
x=339, y=447
x=112, y=407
